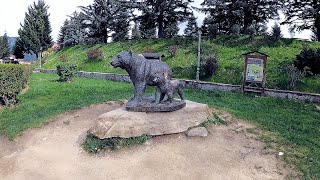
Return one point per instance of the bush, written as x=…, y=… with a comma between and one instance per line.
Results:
x=173, y=50
x=210, y=67
x=308, y=58
x=67, y=72
x=95, y=54
x=13, y=78
x=294, y=76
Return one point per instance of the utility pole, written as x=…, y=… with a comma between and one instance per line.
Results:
x=40, y=54
x=199, y=54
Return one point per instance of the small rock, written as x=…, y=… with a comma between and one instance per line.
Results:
x=199, y=131
x=318, y=108
x=280, y=154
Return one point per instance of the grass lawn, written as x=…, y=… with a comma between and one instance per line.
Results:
x=293, y=126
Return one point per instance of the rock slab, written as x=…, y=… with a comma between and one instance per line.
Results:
x=125, y=124
x=198, y=132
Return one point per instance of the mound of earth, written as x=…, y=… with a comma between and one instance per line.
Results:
x=53, y=151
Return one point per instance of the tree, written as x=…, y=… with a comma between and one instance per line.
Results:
x=72, y=32
x=303, y=14
x=171, y=30
x=147, y=26
x=162, y=14
x=102, y=17
x=4, y=46
x=121, y=27
x=35, y=31
x=136, y=34
x=63, y=32
x=276, y=31
x=18, y=49
x=192, y=27
x=209, y=28
x=244, y=13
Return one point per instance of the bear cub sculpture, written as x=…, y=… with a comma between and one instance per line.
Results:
x=168, y=87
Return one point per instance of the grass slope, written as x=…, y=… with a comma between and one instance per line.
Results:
x=228, y=49
x=293, y=125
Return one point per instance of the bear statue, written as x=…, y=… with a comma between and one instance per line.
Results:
x=140, y=71
x=168, y=87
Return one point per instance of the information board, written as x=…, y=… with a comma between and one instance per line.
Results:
x=254, y=70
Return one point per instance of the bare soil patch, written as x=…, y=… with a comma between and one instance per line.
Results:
x=53, y=151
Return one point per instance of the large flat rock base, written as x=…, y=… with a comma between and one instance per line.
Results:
x=125, y=124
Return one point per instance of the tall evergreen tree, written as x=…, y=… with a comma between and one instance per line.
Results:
x=163, y=14
x=102, y=17
x=192, y=27
x=303, y=14
x=244, y=13
x=147, y=26
x=209, y=28
x=171, y=30
x=4, y=46
x=136, y=34
x=276, y=31
x=18, y=49
x=36, y=29
x=63, y=32
x=72, y=32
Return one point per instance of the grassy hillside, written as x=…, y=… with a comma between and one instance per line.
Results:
x=228, y=50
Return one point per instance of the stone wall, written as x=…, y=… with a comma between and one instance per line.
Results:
x=200, y=85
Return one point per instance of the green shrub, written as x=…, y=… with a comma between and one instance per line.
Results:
x=13, y=78
x=67, y=72
x=94, y=145
x=309, y=58
x=210, y=67
x=95, y=54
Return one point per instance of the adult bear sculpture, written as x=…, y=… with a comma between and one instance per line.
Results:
x=140, y=71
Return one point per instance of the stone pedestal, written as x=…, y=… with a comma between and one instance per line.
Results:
x=125, y=124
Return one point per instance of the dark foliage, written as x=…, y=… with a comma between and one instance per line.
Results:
x=67, y=72
x=13, y=78
x=95, y=54
x=308, y=58
x=210, y=67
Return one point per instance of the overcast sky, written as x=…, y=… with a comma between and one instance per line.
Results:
x=12, y=13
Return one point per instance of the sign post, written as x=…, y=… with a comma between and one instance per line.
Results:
x=199, y=51
x=254, y=75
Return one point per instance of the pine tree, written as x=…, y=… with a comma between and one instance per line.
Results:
x=192, y=27
x=171, y=30
x=244, y=13
x=121, y=27
x=72, y=32
x=63, y=32
x=209, y=28
x=162, y=14
x=36, y=29
x=303, y=15
x=147, y=26
x=18, y=49
x=136, y=34
x=276, y=31
x=102, y=17
x=4, y=46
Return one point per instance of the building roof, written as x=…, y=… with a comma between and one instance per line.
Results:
x=253, y=52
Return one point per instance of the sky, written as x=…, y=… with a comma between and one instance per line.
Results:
x=12, y=13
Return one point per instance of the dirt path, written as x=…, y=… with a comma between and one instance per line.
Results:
x=53, y=152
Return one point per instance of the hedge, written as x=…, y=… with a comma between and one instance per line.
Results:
x=13, y=78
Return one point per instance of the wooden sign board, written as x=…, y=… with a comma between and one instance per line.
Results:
x=254, y=75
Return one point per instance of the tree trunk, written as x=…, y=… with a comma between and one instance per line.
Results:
x=160, y=26
x=317, y=26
